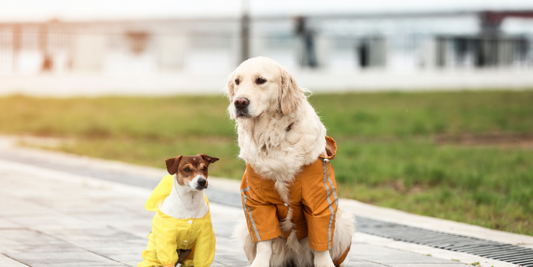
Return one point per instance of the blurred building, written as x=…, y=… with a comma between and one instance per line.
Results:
x=111, y=47
x=349, y=44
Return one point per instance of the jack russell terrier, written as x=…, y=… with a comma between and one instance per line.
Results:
x=181, y=229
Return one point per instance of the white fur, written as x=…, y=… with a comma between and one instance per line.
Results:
x=323, y=259
x=278, y=154
x=264, y=252
x=185, y=201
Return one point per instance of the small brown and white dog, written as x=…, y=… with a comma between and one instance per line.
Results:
x=181, y=229
x=279, y=133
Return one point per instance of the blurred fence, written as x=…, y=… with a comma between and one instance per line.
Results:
x=33, y=50
x=479, y=52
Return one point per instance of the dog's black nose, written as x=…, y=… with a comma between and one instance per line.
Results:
x=202, y=182
x=241, y=103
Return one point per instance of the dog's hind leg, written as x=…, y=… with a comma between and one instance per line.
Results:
x=342, y=239
x=183, y=254
x=242, y=234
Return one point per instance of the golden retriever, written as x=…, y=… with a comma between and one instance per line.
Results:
x=279, y=132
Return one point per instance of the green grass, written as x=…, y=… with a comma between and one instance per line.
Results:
x=387, y=151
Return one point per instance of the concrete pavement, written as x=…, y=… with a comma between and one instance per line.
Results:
x=54, y=217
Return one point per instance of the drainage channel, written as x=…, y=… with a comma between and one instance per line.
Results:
x=475, y=246
x=471, y=245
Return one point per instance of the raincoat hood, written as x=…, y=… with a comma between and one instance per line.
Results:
x=331, y=149
x=159, y=194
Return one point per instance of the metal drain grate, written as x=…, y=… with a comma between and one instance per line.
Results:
x=475, y=246
x=480, y=247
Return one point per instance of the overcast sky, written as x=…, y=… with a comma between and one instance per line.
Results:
x=41, y=10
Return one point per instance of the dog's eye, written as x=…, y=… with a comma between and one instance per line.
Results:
x=204, y=169
x=186, y=170
x=260, y=81
x=237, y=81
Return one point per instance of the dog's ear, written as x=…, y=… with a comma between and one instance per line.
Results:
x=290, y=94
x=208, y=159
x=230, y=92
x=230, y=87
x=173, y=164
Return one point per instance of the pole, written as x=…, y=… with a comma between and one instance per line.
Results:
x=245, y=31
x=17, y=44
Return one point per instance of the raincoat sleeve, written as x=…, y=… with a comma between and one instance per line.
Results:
x=204, y=251
x=166, y=245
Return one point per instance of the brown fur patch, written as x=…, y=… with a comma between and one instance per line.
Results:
x=187, y=167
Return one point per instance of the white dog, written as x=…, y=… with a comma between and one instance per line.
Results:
x=280, y=136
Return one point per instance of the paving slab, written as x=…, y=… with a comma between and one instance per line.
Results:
x=8, y=262
x=384, y=255
x=52, y=217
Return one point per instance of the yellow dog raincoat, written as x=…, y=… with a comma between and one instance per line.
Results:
x=170, y=234
x=313, y=200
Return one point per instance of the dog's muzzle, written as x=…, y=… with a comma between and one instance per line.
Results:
x=241, y=107
x=201, y=184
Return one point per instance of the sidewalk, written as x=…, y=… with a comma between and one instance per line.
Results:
x=318, y=81
x=54, y=217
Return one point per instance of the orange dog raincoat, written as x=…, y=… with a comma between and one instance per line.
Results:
x=313, y=199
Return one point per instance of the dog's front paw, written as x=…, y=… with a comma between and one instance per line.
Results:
x=257, y=263
x=324, y=264
x=328, y=264
x=323, y=259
